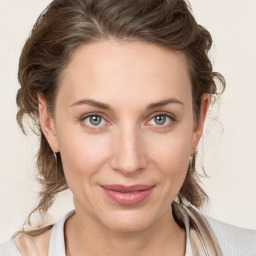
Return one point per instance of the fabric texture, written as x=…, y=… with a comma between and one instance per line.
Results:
x=234, y=241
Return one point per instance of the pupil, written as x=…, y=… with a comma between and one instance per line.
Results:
x=160, y=120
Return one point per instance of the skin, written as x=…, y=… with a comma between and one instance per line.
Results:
x=128, y=146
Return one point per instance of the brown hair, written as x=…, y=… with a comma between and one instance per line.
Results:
x=67, y=24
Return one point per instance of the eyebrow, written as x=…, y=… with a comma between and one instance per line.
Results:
x=107, y=107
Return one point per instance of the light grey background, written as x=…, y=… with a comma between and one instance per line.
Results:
x=229, y=145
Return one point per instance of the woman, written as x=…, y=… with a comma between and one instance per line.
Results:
x=119, y=91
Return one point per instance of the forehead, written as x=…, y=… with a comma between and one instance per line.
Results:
x=118, y=71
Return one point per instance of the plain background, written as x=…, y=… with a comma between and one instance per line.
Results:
x=229, y=144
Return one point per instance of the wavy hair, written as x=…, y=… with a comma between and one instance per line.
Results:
x=67, y=24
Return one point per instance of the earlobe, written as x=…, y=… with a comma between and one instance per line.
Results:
x=198, y=130
x=47, y=124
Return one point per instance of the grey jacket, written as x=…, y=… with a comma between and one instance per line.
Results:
x=210, y=237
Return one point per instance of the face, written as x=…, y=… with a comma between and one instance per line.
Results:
x=124, y=127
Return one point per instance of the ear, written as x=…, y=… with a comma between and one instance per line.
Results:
x=47, y=124
x=199, y=126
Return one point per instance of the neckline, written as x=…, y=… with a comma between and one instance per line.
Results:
x=57, y=241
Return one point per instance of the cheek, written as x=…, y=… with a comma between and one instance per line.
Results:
x=171, y=159
x=172, y=153
x=82, y=155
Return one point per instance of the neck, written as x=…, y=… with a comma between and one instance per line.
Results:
x=85, y=235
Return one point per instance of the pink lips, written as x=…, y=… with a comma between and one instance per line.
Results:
x=128, y=195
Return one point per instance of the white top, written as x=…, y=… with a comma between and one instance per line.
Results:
x=57, y=242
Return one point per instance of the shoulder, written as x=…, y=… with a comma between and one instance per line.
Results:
x=49, y=239
x=233, y=240
x=27, y=245
x=9, y=248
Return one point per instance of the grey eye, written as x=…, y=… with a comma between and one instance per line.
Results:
x=160, y=119
x=94, y=120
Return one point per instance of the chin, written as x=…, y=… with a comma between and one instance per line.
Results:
x=128, y=221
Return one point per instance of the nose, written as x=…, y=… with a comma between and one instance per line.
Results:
x=129, y=150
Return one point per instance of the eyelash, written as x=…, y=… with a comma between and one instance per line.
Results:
x=171, y=117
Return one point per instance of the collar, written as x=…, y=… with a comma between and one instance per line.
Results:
x=203, y=239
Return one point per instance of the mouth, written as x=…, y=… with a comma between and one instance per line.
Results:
x=128, y=195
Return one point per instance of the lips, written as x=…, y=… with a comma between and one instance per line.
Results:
x=128, y=195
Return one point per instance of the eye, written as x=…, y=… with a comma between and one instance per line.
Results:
x=94, y=121
x=161, y=120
